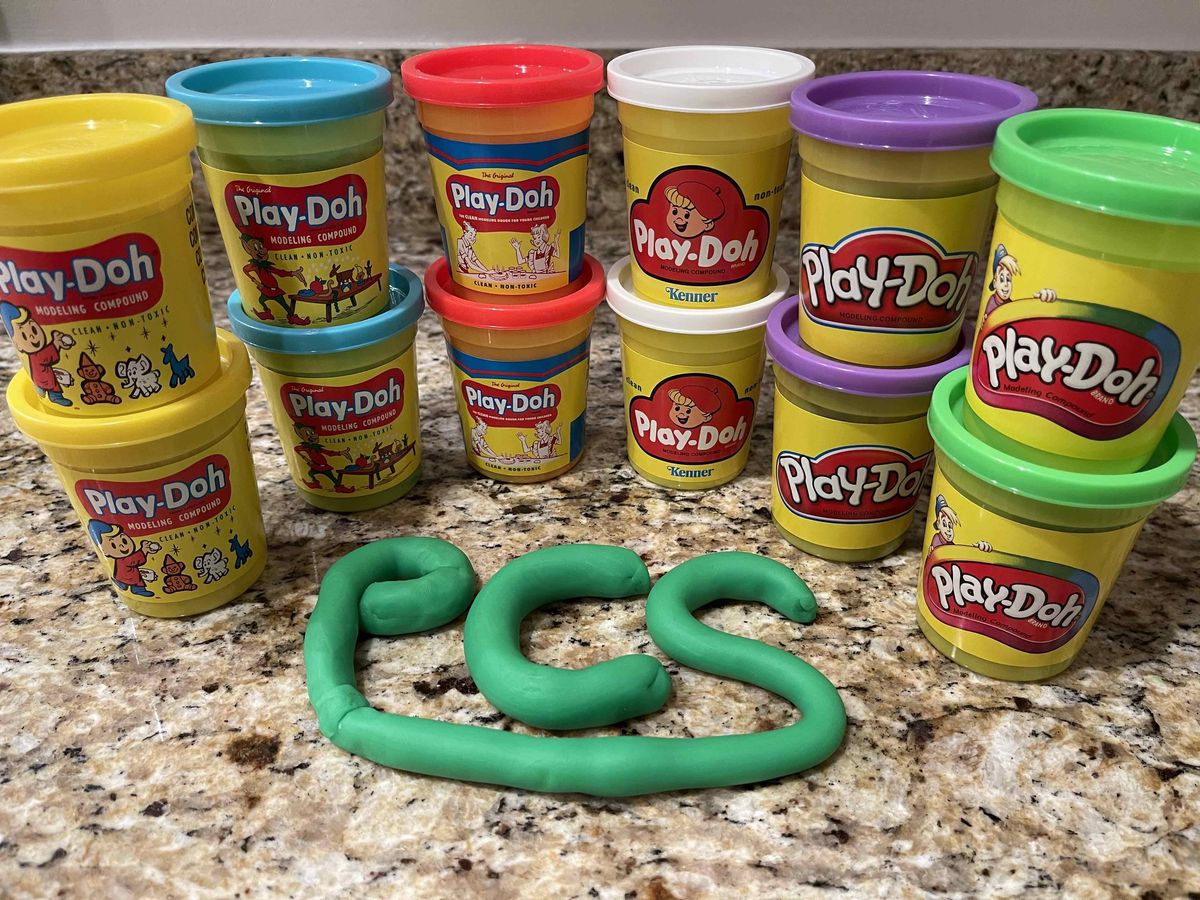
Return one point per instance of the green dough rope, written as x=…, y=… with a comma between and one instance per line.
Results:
x=370, y=584
x=543, y=696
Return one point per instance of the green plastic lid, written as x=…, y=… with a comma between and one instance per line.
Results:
x=1110, y=161
x=1162, y=475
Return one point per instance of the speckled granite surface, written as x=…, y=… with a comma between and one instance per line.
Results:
x=142, y=757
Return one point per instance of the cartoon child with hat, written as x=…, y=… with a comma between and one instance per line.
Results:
x=1004, y=269
x=945, y=520
x=129, y=559
x=312, y=451
x=265, y=274
x=693, y=404
x=41, y=352
x=695, y=208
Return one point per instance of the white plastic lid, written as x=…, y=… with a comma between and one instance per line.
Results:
x=678, y=320
x=708, y=79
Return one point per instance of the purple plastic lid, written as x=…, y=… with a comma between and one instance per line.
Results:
x=783, y=340
x=907, y=110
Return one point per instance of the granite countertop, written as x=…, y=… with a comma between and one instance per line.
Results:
x=181, y=758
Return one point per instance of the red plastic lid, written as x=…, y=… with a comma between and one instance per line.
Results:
x=440, y=292
x=502, y=75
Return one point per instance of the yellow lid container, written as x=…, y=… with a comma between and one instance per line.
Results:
x=168, y=498
x=101, y=276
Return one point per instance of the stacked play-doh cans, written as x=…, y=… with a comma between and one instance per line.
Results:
x=292, y=153
x=125, y=383
x=506, y=130
x=707, y=146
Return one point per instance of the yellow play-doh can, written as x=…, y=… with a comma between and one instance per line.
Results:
x=101, y=276
x=168, y=498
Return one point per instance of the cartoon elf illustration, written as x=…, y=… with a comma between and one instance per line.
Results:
x=945, y=520
x=1004, y=269
x=544, y=440
x=41, y=352
x=129, y=559
x=479, y=441
x=542, y=250
x=695, y=208
x=692, y=405
x=316, y=454
x=265, y=274
x=468, y=262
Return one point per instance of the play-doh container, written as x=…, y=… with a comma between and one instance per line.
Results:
x=896, y=196
x=707, y=144
x=691, y=379
x=344, y=399
x=101, y=278
x=520, y=375
x=1019, y=557
x=1087, y=333
x=851, y=445
x=167, y=498
x=506, y=130
x=292, y=153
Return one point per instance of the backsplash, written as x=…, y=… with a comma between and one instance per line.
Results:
x=1153, y=82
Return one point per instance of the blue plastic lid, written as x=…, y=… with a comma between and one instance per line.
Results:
x=404, y=307
x=282, y=90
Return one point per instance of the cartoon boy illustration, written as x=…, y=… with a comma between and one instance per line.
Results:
x=692, y=405
x=544, y=440
x=468, y=262
x=41, y=352
x=479, y=441
x=129, y=559
x=1004, y=269
x=695, y=208
x=316, y=454
x=542, y=250
x=945, y=520
x=265, y=275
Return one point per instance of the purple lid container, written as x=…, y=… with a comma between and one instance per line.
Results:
x=783, y=340
x=910, y=111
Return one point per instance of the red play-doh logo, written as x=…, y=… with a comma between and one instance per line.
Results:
x=886, y=279
x=118, y=277
x=1027, y=604
x=521, y=408
x=189, y=497
x=1096, y=371
x=495, y=206
x=694, y=228
x=339, y=409
x=692, y=419
x=283, y=218
x=851, y=484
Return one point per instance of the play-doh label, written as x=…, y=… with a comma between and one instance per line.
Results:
x=333, y=212
x=512, y=215
x=174, y=534
x=846, y=485
x=1097, y=372
x=692, y=419
x=850, y=484
x=348, y=434
x=119, y=276
x=702, y=228
x=695, y=228
x=522, y=418
x=1009, y=592
x=886, y=279
x=111, y=323
x=1027, y=604
x=886, y=282
x=307, y=249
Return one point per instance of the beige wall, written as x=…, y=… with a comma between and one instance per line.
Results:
x=1137, y=24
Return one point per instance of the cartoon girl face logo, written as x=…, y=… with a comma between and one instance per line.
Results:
x=695, y=208
x=693, y=406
